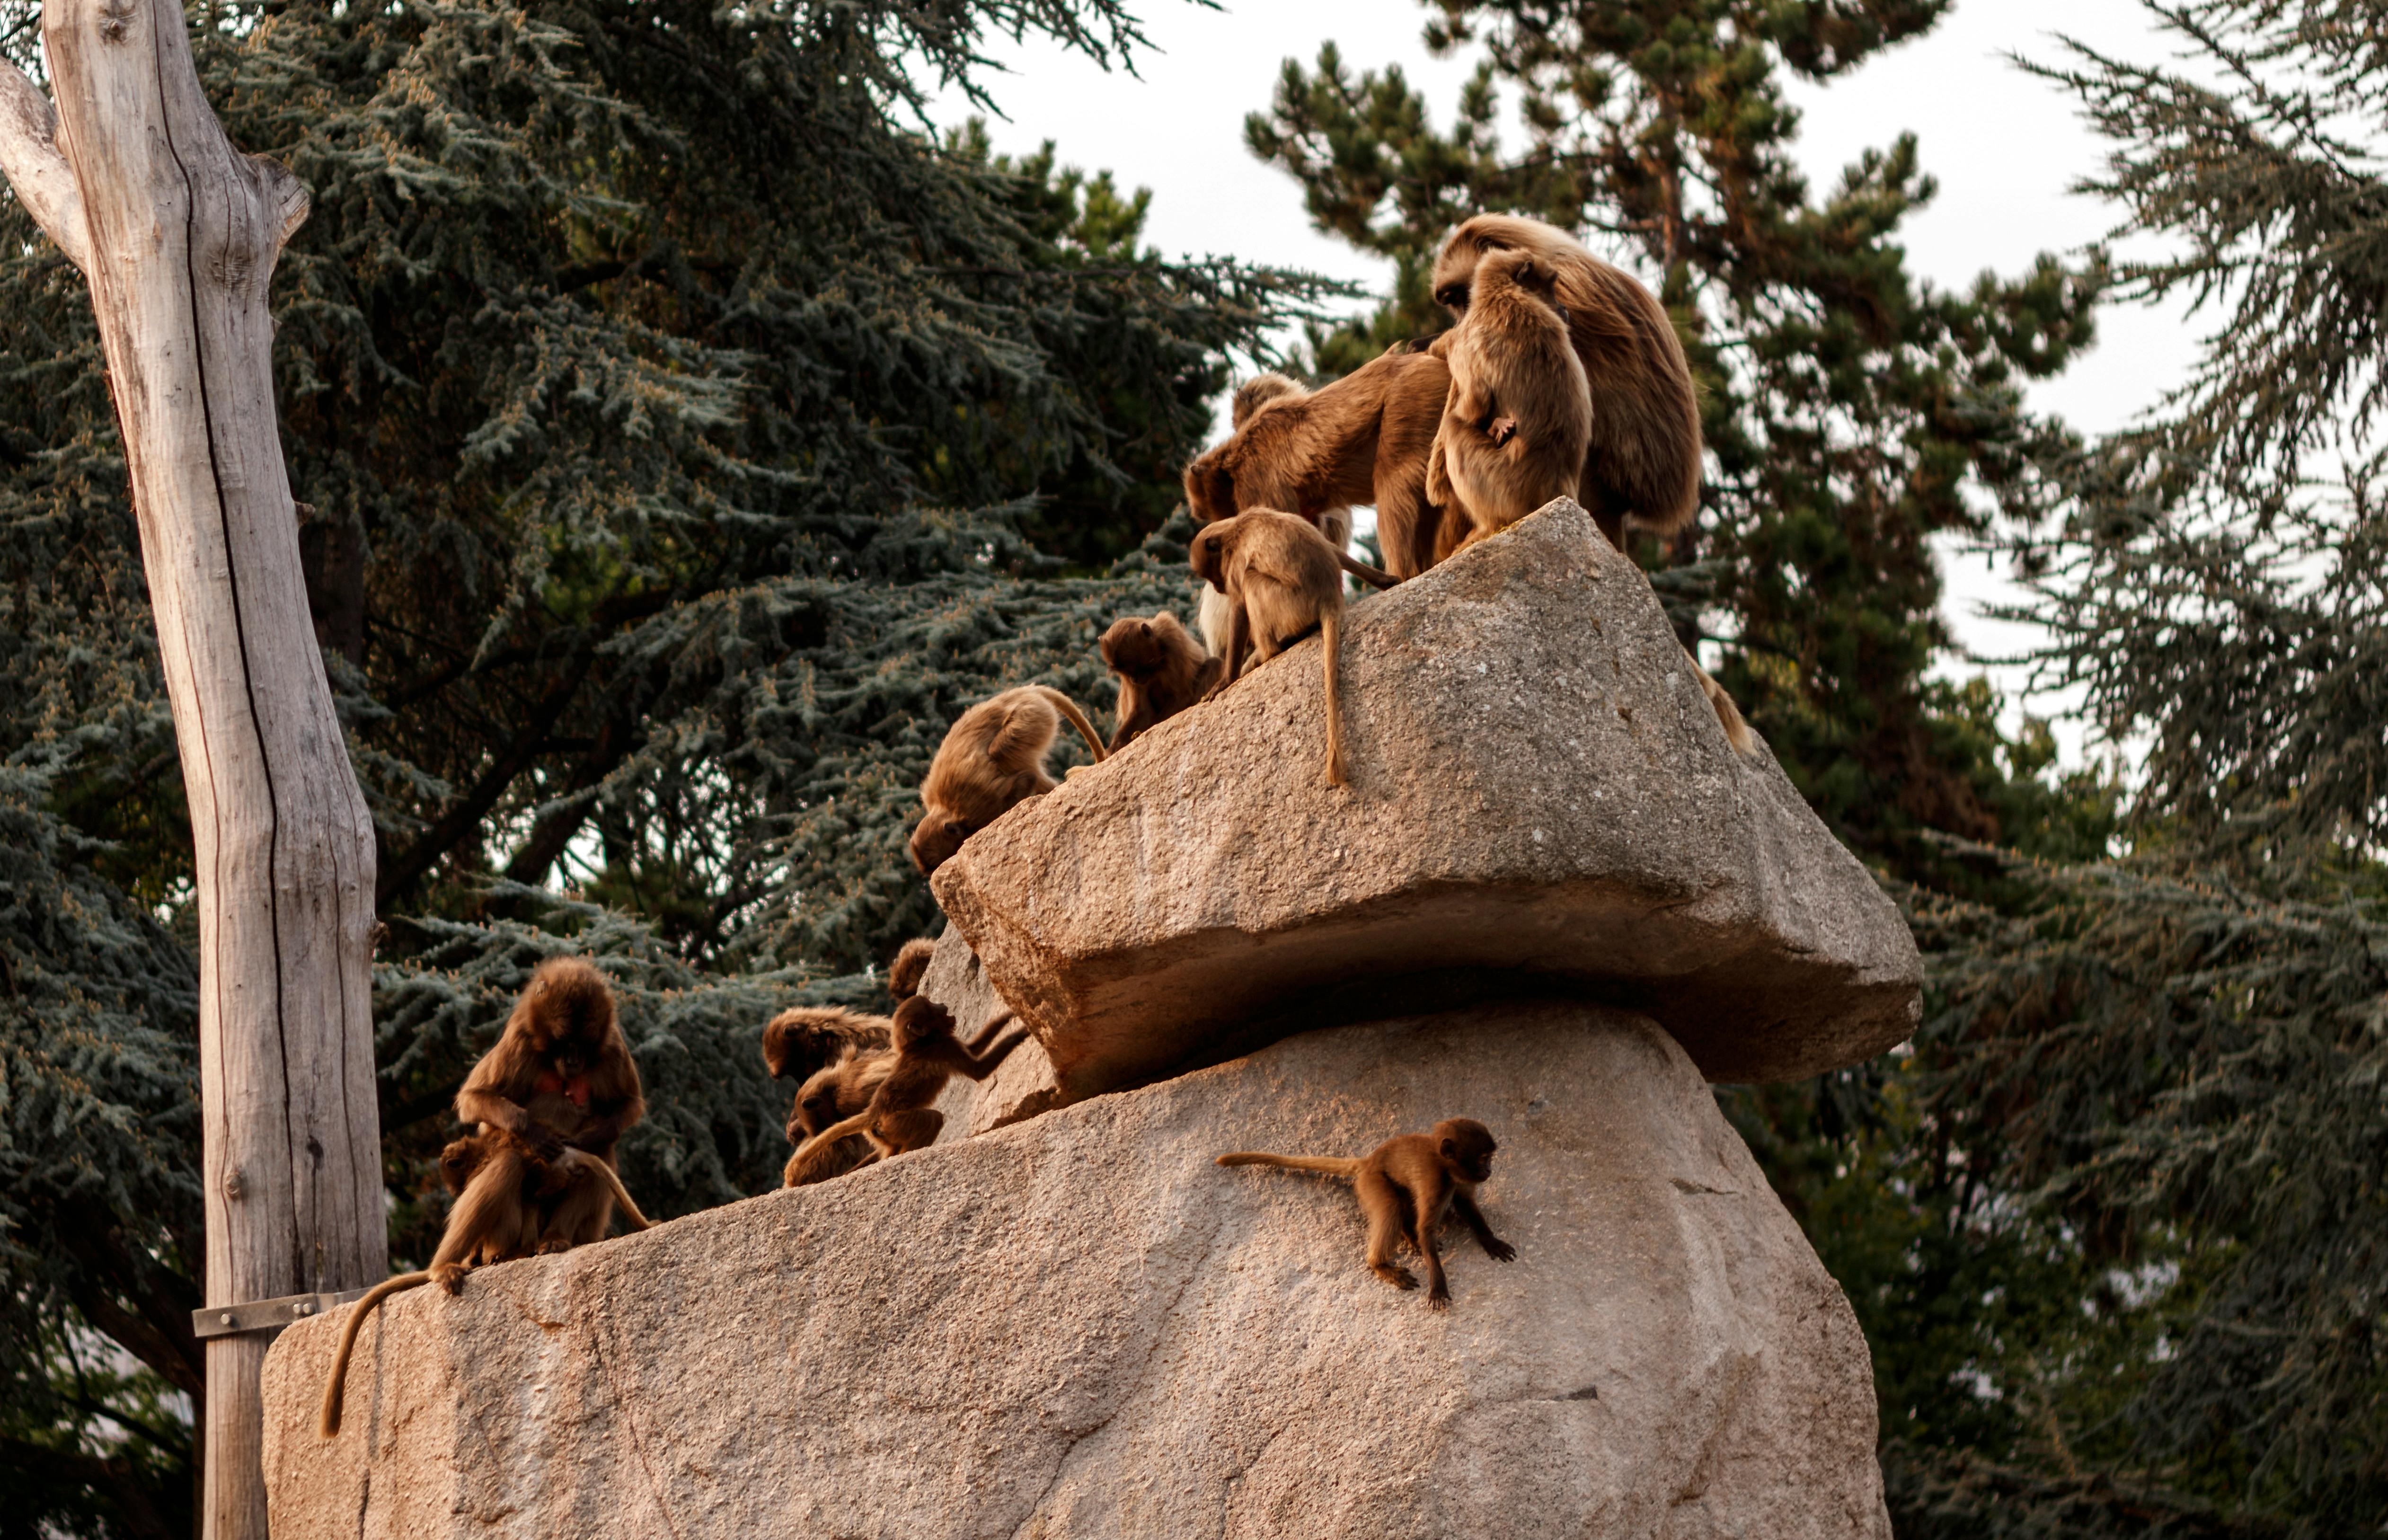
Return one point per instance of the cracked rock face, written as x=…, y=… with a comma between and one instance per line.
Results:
x=1080, y=1325
x=1541, y=798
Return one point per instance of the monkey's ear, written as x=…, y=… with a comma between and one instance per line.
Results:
x=1450, y=1149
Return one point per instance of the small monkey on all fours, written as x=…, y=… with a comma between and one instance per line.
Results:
x=1405, y=1187
x=1281, y=580
x=1161, y=671
x=1519, y=413
x=992, y=758
x=551, y=1099
x=899, y=1116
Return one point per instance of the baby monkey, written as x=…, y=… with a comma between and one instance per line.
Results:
x=1161, y=671
x=899, y=1117
x=992, y=758
x=1407, y=1186
x=1281, y=579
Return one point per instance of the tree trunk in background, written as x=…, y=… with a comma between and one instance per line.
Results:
x=178, y=234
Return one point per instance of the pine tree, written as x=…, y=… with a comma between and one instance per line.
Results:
x=686, y=435
x=2175, y=1059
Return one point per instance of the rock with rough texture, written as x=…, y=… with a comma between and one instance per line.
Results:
x=1541, y=797
x=1080, y=1325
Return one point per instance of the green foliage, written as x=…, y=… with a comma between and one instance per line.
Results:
x=1853, y=412
x=713, y=436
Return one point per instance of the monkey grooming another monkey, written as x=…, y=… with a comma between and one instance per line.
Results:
x=1514, y=431
x=899, y=1116
x=1280, y=579
x=1406, y=1186
x=551, y=1099
x=1362, y=439
x=804, y=1037
x=992, y=757
x=1161, y=672
x=1643, y=456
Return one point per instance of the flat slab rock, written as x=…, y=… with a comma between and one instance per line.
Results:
x=1080, y=1325
x=1541, y=797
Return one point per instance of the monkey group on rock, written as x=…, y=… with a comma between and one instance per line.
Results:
x=1562, y=375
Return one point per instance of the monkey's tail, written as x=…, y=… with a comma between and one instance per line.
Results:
x=604, y=1172
x=1330, y=629
x=823, y=1140
x=1736, y=729
x=1367, y=574
x=1326, y=1165
x=337, y=1383
x=1069, y=708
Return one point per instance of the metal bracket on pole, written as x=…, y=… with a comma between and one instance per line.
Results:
x=264, y=1315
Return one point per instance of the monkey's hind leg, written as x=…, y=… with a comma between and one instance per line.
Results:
x=1380, y=1202
x=580, y=1217
x=487, y=1216
x=900, y=1133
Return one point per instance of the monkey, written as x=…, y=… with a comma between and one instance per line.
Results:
x=802, y=1038
x=1161, y=672
x=911, y=964
x=836, y=1091
x=1363, y=438
x=1737, y=727
x=1643, y=461
x=1405, y=1187
x=899, y=1117
x=993, y=758
x=550, y=1100
x=1259, y=391
x=1514, y=431
x=1280, y=581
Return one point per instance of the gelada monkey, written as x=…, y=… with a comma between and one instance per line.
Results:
x=1161, y=671
x=552, y=1100
x=911, y=962
x=1363, y=438
x=833, y=1093
x=801, y=1039
x=1409, y=1184
x=1643, y=458
x=993, y=758
x=1281, y=579
x=1519, y=416
x=899, y=1117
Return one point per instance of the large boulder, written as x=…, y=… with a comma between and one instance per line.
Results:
x=1080, y=1325
x=1540, y=799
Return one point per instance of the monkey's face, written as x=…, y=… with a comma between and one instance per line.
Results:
x=935, y=839
x=1129, y=648
x=1208, y=555
x=1469, y=1146
x=921, y=1019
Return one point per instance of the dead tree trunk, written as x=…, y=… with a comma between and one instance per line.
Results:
x=178, y=233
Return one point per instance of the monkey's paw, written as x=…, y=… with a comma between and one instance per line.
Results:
x=1399, y=1278
x=1439, y=1299
x=1502, y=430
x=1500, y=1251
x=551, y=1245
x=450, y=1276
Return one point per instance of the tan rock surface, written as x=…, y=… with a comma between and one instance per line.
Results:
x=1081, y=1327
x=1540, y=793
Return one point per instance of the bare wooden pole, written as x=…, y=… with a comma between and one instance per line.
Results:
x=178, y=233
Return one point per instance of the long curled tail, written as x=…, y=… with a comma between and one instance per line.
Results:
x=335, y=1387
x=1330, y=629
x=1069, y=708
x=1376, y=576
x=1326, y=1165
x=1736, y=729
x=582, y=1160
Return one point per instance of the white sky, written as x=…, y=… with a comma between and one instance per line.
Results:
x=2003, y=146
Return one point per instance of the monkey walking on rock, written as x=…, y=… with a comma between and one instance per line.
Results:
x=1405, y=1187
